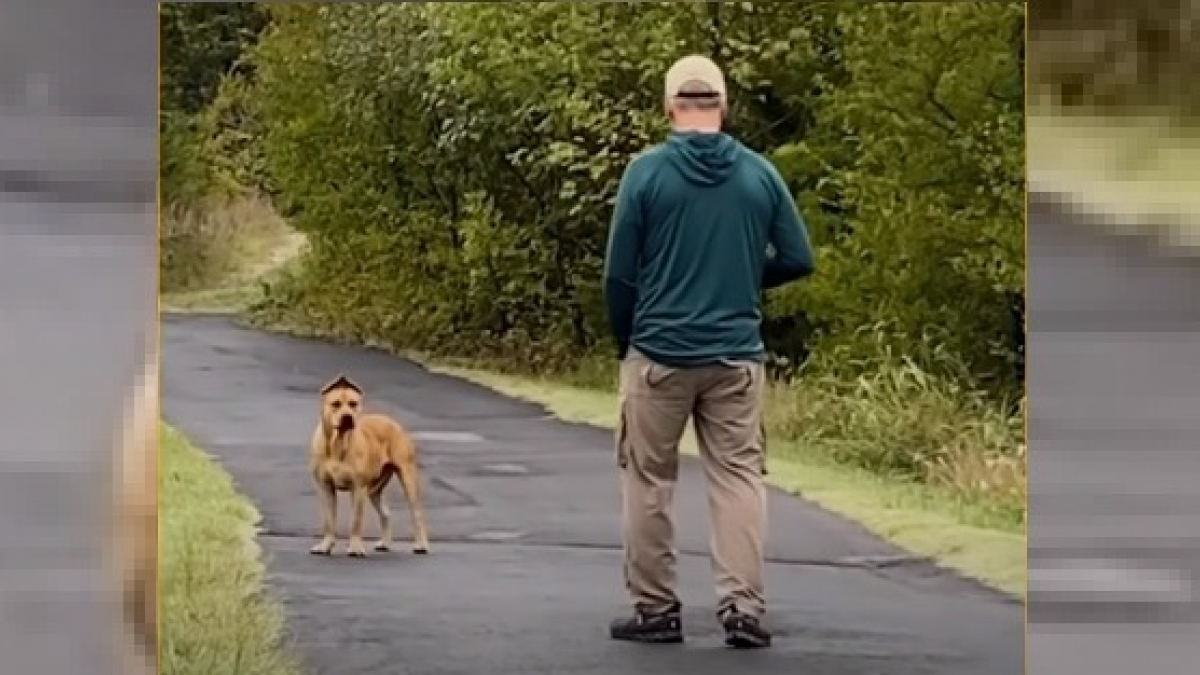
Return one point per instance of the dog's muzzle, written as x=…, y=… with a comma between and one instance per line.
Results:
x=346, y=423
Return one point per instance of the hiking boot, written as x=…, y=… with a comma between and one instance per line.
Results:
x=664, y=627
x=743, y=631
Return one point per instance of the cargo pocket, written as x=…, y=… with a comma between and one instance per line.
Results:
x=655, y=374
x=753, y=374
x=621, y=439
x=748, y=369
x=762, y=443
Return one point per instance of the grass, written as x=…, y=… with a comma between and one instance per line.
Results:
x=215, y=616
x=1135, y=174
x=961, y=534
x=216, y=254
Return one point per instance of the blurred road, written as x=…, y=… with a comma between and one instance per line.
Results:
x=76, y=290
x=1114, y=438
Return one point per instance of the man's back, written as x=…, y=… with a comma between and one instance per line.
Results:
x=701, y=209
x=687, y=263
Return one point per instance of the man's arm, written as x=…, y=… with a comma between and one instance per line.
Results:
x=621, y=261
x=788, y=235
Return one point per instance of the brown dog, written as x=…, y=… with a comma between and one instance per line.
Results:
x=358, y=453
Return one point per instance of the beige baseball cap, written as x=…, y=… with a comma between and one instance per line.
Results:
x=695, y=75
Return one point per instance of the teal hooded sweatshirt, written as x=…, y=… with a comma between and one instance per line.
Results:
x=702, y=225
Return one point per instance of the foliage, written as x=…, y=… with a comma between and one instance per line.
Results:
x=217, y=242
x=931, y=251
x=1116, y=56
x=200, y=44
x=203, y=155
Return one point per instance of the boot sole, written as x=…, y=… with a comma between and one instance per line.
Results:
x=740, y=639
x=651, y=638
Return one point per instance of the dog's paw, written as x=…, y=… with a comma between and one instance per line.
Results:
x=322, y=548
x=356, y=549
x=383, y=546
x=421, y=550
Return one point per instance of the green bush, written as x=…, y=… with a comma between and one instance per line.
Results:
x=198, y=92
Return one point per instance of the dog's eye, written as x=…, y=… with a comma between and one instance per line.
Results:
x=352, y=404
x=337, y=404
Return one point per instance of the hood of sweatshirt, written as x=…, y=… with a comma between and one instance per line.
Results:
x=704, y=158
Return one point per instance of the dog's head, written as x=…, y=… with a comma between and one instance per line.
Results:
x=341, y=403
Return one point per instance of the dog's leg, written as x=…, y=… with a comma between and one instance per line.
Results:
x=411, y=482
x=357, y=549
x=328, y=497
x=385, y=521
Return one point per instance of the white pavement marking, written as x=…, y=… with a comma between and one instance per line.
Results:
x=496, y=535
x=506, y=469
x=448, y=436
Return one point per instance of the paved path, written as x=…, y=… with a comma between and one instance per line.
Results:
x=1114, y=436
x=525, y=571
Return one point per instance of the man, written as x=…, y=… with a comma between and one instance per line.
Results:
x=686, y=266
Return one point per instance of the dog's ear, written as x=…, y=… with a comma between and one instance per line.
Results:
x=341, y=382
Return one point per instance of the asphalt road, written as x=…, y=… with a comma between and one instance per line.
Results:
x=1114, y=462
x=525, y=570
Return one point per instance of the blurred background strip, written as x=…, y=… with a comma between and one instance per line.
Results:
x=1114, y=336
x=77, y=303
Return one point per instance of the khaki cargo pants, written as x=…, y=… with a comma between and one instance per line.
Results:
x=726, y=403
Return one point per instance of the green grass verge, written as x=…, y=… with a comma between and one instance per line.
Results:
x=221, y=252
x=232, y=296
x=1133, y=174
x=215, y=616
x=919, y=519
x=228, y=300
